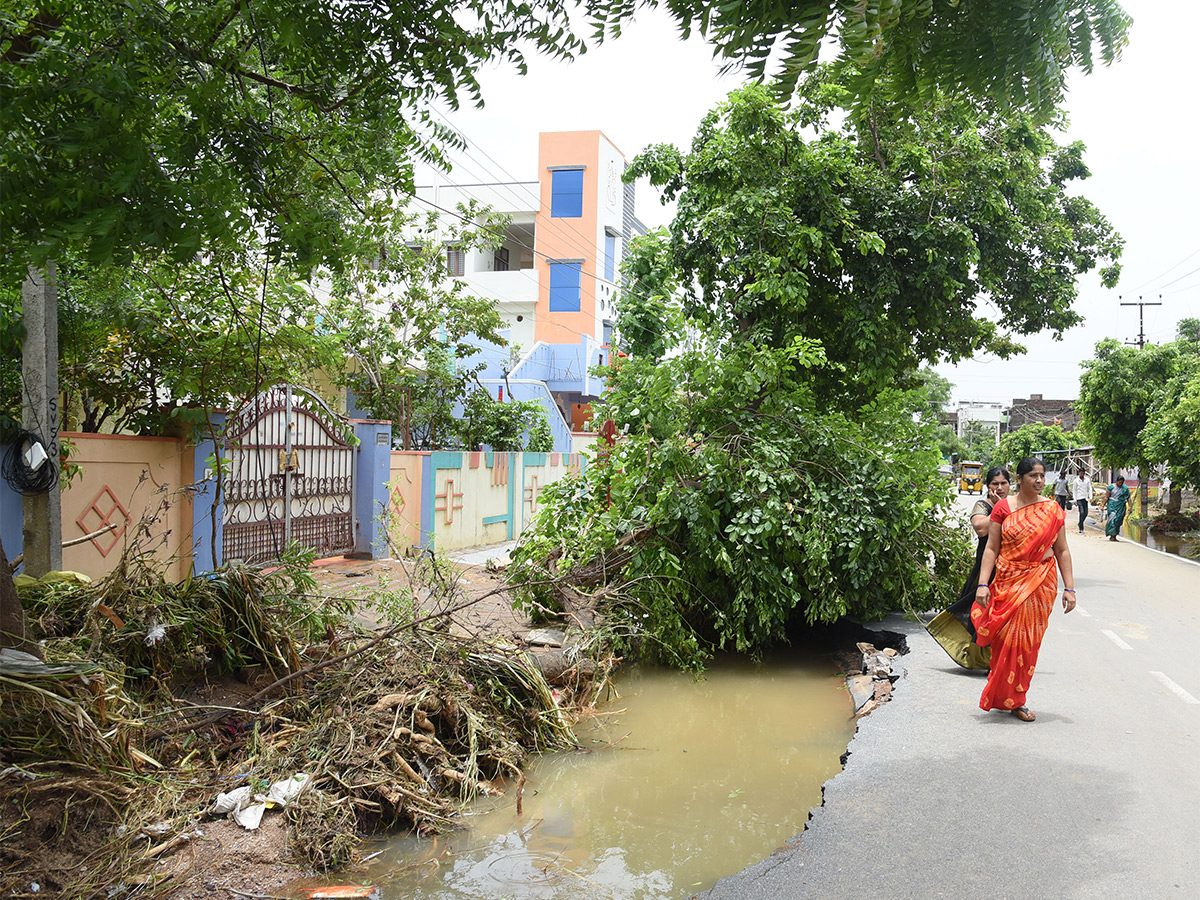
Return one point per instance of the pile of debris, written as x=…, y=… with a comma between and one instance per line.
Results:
x=158, y=706
x=872, y=686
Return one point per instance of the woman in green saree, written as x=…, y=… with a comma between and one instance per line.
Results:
x=1117, y=503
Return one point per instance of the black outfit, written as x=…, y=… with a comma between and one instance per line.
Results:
x=953, y=628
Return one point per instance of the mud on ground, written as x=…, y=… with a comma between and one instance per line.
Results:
x=54, y=830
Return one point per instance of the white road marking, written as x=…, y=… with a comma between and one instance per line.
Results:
x=1174, y=688
x=1115, y=639
x=1083, y=612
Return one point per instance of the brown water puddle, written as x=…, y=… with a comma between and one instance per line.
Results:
x=1163, y=543
x=690, y=781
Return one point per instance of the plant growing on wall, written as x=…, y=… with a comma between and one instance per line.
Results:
x=512, y=425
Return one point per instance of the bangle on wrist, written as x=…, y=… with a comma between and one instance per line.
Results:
x=1068, y=590
x=988, y=586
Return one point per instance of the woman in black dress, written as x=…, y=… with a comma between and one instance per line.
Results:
x=952, y=628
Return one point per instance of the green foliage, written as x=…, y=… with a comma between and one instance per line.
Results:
x=1117, y=390
x=1030, y=440
x=503, y=426
x=979, y=443
x=410, y=331
x=1141, y=406
x=170, y=127
x=751, y=506
x=151, y=347
x=1012, y=54
x=931, y=398
x=1173, y=433
x=782, y=466
x=649, y=319
x=12, y=333
x=877, y=238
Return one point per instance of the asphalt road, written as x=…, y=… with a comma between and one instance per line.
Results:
x=1099, y=798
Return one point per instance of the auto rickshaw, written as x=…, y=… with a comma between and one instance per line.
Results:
x=970, y=477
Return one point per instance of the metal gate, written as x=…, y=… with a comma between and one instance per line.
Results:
x=290, y=477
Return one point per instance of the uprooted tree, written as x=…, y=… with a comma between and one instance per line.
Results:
x=775, y=469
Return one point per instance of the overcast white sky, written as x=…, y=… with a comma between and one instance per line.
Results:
x=1138, y=119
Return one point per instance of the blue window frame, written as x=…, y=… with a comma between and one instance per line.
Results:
x=566, y=193
x=610, y=256
x=565, y=281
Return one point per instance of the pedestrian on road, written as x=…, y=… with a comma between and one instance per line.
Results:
x=1081, y=491
x=952, y=628
x=1026, y=547
x=1062, y=489
x=1117, y=502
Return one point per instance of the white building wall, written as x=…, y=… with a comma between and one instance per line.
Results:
x=991, y=414
x=610, y=208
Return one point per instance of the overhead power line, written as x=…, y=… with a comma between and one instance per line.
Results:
x=1168, y=271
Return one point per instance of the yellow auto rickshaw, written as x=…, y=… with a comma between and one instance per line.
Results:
x=970, y=477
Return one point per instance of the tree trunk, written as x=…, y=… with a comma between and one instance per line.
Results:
x=14, y=630
x=1143, y=491
x=1175, y=501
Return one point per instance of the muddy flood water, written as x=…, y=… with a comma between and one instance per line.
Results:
x=686, y=781
x=1173, y=544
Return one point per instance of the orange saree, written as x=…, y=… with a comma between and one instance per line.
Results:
x=1023, y=591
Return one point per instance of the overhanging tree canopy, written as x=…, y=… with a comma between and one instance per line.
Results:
x=163, y=126
x=1014, y=54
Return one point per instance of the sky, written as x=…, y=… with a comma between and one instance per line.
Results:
x=1138, y=119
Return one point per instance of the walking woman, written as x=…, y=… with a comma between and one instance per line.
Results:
x=1117, y=503
x=952, y=628
x=1026, y=547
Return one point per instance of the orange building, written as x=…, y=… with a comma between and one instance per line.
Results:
x=555, y=277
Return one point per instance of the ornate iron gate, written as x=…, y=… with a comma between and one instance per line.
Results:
x=290, y=477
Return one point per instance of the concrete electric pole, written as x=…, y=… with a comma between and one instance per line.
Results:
x=1143, y=479
x=42, y=521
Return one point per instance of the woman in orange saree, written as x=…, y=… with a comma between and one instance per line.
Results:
x=1026, y=548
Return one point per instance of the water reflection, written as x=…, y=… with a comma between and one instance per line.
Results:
x=1161, y=542
x=689, y=782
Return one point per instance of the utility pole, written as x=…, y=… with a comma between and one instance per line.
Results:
x=1141, y=341
x=42, y=521
x=1143, y=478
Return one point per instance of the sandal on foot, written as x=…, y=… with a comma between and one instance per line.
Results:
x=1023, y=713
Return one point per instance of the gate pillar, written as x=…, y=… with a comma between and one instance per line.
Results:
x=207, y=515
x=372, y=469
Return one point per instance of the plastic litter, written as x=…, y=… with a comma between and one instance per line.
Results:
x=283, y=792
x=246, y=807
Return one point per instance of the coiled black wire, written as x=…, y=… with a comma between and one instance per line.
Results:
x=20, y=477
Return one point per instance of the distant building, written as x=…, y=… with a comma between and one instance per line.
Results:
x=1038, y=410
x=988, y=414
